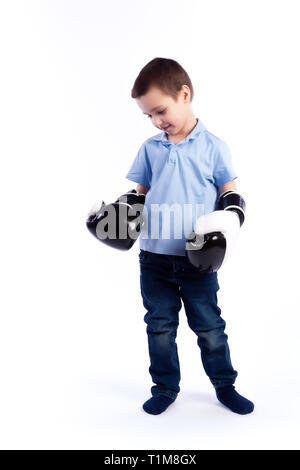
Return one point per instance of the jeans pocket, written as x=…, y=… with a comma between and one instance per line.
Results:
x=143, y=255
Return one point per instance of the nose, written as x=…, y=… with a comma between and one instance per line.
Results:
x=157, y=122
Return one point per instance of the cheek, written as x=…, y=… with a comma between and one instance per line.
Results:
x=171, y=118
x=175, y=122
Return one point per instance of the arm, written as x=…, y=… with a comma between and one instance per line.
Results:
x=142, y=189
x=230, y=185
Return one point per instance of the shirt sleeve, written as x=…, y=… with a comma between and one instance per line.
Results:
x=223, y=170
x=140, y=170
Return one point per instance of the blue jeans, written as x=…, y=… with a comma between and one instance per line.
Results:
x=164, y=281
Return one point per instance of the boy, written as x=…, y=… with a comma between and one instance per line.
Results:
x=183, y=164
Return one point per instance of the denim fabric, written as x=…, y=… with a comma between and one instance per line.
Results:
x=166, y=281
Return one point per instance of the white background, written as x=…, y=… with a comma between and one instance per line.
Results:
x=74, y=354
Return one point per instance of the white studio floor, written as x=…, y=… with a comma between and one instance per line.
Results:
x=91, y=412
x=54, y=403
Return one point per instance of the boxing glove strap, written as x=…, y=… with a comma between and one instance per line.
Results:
x=233, y=201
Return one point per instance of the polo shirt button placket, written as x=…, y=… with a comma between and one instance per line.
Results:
x=171, y=159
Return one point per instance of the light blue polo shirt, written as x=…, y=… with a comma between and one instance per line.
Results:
x=183, y=180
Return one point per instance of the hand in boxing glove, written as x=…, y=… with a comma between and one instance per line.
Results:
x=118, y=224
x=214, y=236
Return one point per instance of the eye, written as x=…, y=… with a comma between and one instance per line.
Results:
x=159, y=112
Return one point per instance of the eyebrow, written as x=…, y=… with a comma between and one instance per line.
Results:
x=153, y=109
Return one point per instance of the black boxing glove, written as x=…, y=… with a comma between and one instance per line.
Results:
x=118, y=224
x=214, y=236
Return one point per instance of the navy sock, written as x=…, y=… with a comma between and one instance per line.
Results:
x=157, y=404
x=229, y=397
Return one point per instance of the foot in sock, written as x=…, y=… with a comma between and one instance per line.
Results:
x=157, y=404
x=229, y=397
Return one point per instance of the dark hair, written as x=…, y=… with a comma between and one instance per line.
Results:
x=165, y=74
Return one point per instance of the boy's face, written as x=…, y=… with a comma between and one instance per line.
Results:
x=169, y=114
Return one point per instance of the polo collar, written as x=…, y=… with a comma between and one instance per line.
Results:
x=162, y=136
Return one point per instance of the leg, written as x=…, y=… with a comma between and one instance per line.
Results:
x=161, y=298
x=199, y=294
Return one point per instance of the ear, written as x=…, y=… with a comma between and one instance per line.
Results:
x=186, y=92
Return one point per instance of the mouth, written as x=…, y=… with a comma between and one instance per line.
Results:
x=165, y=128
